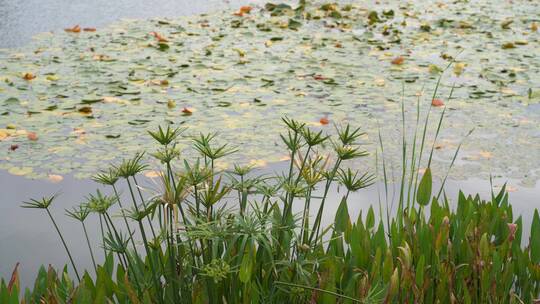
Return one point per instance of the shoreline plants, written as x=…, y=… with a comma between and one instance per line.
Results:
x=212, y=236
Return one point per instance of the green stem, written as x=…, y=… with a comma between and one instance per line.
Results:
x=317, y=223
x=64, y=243
x=124, y=217
x=89, y=246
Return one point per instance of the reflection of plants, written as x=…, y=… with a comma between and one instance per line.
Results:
x=261, y=251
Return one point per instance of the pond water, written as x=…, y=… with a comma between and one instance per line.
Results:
x=71, y=103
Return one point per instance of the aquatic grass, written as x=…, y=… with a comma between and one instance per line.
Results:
x=232, y=236
x=81, y=213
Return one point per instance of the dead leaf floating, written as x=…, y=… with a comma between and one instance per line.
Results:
x=85, y=110
x=243, y=10
x=158, y=37
x=89, y=29
x=75, y=29
x=29, y=76
x=55, y=178
x=13, y=147
x=398, y=60
x=324, y=121
x=436, y=102
x=32, y=136
x=187, y=111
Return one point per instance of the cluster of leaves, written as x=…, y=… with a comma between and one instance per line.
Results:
x=189, y=247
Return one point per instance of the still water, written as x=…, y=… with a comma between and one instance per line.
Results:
x=20, y=20
x=27, y=236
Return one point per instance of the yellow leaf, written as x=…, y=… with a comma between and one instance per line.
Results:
x=55, y=178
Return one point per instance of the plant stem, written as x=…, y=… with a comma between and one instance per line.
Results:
x=64, y=243
x=89, y=246
x=131, y=234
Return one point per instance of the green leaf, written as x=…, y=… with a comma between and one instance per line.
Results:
x=424, y=189
x=343, y=221
x=246, y=267
x=535, y=238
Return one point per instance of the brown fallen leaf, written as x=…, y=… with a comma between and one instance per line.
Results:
x=398, y=60
x=89, y=29
x=324, y=121
x=75, y=29
x=436, y=102
x=55, y=178
x=158, y=37
x=534, y=27
x=28, y=76
x=243, y=10
x=187, y=111
x=319, y=77
x=32, y=136
x=85, y=110
x=13, y=147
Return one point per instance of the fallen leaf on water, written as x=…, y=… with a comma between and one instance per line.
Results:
x=485, y=154
x=55, y=178
x=152, y=174
x=13, y=147
x=511, y=188
x=436, y=102
x=89, y=29
x=171, y=103
x=187, y=111
x=508, y=45
x=85, y=110
x=398, y=60
x=319, y=77
x=159, y=37
x=243, y=10
x=102, y=57
x=324, y=121
x=75, y=29
x=32, y=136
x=3, y=135
x=29, y=76
x=534, y=27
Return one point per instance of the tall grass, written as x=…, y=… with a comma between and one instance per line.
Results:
x=211, y=236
